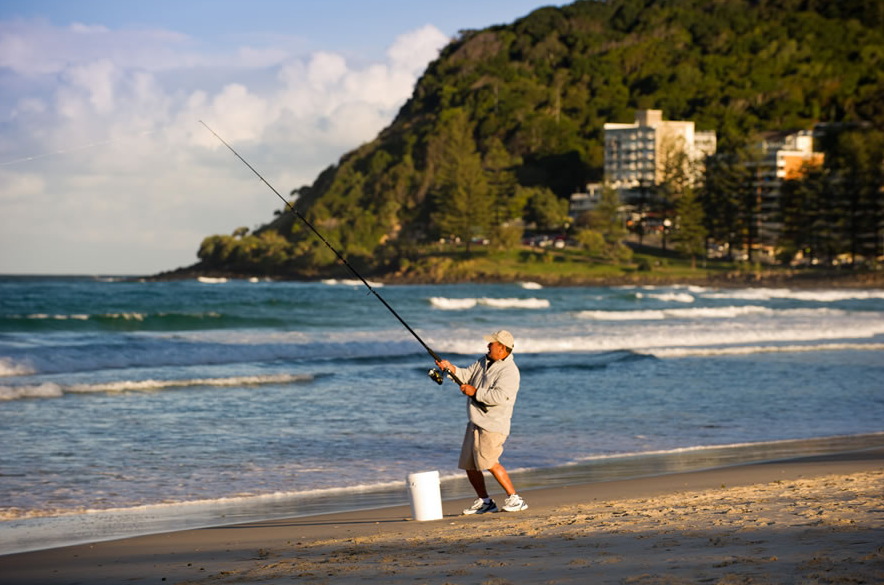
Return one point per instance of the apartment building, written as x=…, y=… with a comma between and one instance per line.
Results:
x=636, y=154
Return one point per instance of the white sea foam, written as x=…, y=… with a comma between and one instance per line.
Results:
x=216, y=508
x=198, y=507
x=646, y=337
x=8, y=367
x=677, y=352
x=126, y=316
x=515, y=303
x=801, y=445
x=453, y=304
x=672, y=297
x=129, y=316
x=210, y=280
x=79, y=316
x=571, y=332
x=52, y=390
x=701, y=313
x=822, y=296
x=350, y=282
x=47, y=390
x=503, y=303
x=531, y=285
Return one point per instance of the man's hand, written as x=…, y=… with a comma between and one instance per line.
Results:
x=445, y=365
x=468, y=390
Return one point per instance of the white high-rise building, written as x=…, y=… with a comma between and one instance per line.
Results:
x=636, y=154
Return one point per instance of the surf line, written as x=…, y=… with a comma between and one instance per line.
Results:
x=433, y=373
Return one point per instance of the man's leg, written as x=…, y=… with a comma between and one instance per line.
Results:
x=502, y=478
x=477, y=480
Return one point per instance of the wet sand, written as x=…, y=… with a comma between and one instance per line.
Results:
x=807, y=520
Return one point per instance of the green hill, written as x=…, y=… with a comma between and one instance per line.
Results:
x=508, y=121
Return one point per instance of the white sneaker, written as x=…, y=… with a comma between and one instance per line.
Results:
x=514, y=503
x=480, y=507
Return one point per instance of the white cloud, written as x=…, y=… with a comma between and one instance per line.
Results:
x=29, y=106
x=85, y=29
x=325, y=69
x=413, y=50
x=19, y=186
x=95, y=79
x=102, y=144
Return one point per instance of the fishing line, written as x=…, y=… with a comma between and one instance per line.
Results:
x=71, y=149
x=434, y=374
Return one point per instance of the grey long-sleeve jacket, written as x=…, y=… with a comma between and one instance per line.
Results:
x=497, y=384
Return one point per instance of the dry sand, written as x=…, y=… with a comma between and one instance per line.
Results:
x=811, y=520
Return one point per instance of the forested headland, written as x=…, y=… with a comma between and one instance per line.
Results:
x=508, y=122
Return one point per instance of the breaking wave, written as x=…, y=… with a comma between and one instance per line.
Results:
x=54, y=390
x=820, y=296
x=449, y=304
x=350, y=282
x=677, y=352
x=729, y=312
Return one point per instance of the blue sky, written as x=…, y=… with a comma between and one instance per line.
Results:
x=104, y=167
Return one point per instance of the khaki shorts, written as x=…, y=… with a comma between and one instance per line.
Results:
x=481, y=449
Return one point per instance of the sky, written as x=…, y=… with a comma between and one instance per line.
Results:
x=105, y=168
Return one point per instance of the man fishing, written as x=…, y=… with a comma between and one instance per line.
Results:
x=491, y=384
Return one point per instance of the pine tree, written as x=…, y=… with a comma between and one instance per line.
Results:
x=462, y=195
x=690, y=235
x=499, y=165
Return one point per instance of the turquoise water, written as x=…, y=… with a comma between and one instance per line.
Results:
x=204, y=402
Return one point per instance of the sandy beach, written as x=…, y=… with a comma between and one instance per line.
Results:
x=809, y=520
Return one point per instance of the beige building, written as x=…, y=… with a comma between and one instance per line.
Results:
x=637, y=154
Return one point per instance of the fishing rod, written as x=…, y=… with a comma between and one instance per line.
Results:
x=433, y=373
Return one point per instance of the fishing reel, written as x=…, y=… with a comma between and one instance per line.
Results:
x=436, y=376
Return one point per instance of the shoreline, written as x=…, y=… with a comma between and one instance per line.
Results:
x=34, y=533
x=801, y=514
x=789, y=278
x=736, y=279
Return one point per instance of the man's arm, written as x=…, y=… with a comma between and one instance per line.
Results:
x=466, y=389
x=502, y=391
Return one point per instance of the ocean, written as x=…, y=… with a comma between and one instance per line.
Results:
x=130, y=407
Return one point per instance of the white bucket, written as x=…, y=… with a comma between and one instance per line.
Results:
x=426, y=499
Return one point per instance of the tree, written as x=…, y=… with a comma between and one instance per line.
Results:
x=606, y=221
x=838, y=208
x=499, y=164
x=724, y=177
x=607, y=217
x=545, y=85
x=544, y=209
x=463, y=197
x=730, y=198
x=592, y=241
x=690, y=235
x=678, y=172
x=803, y=203
x=856, y=164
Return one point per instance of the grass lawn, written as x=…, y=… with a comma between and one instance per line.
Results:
x=552, y=265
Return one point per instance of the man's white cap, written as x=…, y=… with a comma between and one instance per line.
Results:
x=503, y=336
